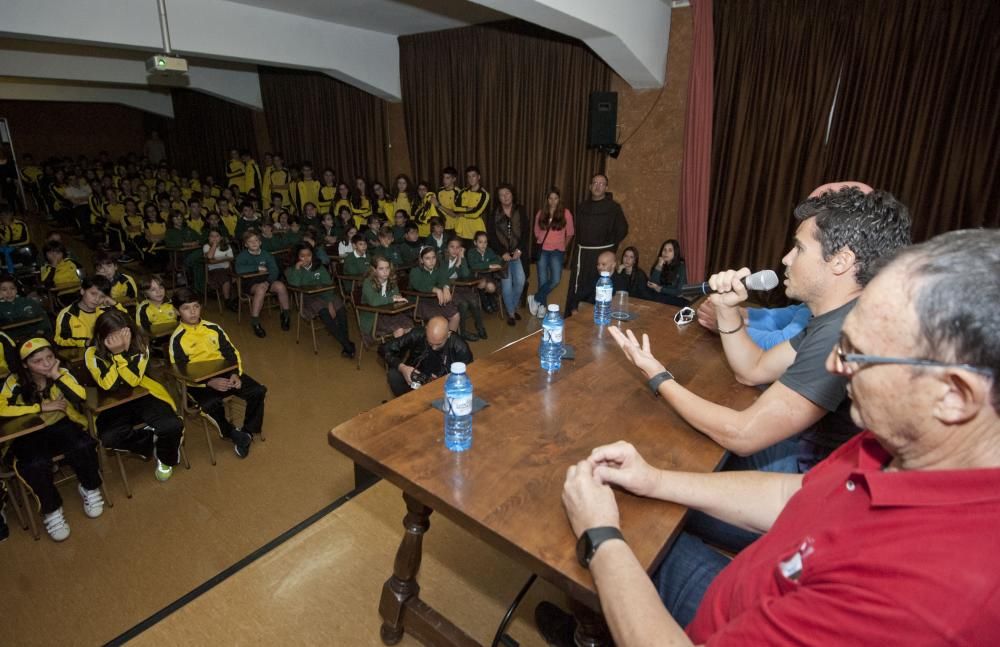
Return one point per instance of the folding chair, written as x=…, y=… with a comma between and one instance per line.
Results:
x=269, y=298
x=313, y=321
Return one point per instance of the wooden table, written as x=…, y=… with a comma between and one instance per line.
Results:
x=506, y=489
x=11, y=428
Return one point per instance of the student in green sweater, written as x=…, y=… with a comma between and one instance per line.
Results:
x=14, y=308
x=429, y=276
x=357, y=262
x=177, y=236
x=437, y=239
x=249, y=219
x=374, y=227
x=399, y=227
x=482, y=259
x=409, y=249
x=386, y=248
x=328, y=306
x=270, y=240
x=251, y=260
x=464, y=296
x=312, y=237
x=380, y=289
x=178, y=233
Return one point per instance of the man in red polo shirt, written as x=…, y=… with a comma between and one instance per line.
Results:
x=891, y=539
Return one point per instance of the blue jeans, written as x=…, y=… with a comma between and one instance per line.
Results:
x=550, y=265
x=785, y=457
x=685, y=574
x=512, y=286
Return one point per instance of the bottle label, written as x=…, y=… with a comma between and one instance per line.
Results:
x=604, y=293
x=554, y=335
x=461, y=405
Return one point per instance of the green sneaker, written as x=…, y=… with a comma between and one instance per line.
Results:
x=163, y=472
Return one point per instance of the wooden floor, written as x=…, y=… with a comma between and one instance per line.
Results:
x=321, y=586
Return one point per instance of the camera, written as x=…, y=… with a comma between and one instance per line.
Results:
x=418, y=379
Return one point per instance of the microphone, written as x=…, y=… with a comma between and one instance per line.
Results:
x=762, y=281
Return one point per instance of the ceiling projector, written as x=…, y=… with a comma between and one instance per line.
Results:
x=167, y=65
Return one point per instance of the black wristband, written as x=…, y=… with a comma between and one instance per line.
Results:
x=590, y=541
x=658, y=379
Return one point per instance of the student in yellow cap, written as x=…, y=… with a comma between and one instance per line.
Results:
x=40, y=387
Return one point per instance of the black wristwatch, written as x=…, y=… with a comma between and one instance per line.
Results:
x=590, y=540
x=658, y=379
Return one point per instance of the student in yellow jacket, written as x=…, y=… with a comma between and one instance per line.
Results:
x=306, y=189
x=471, y=207
x=40, y=387
x=75, y=322
x=197, y=340
x=117, y=359
x=235, y=170
x=327, y=192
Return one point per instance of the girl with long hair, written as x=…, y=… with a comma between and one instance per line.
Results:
x=635, y=278
x=553, y=233
x=117, y=358
x=668, y=275
x=39, y=386
x=380, y=289
x=308, y=272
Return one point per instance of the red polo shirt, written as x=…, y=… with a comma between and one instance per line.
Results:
x=861, y=556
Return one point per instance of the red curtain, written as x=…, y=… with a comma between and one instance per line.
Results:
x=696, y=167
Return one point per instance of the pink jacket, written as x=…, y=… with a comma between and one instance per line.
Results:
x=557, y=239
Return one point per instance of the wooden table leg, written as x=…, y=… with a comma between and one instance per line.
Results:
x=591, y=629
x=403, y=584
x=363, y=478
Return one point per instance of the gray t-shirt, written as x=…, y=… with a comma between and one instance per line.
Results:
x=808, y=377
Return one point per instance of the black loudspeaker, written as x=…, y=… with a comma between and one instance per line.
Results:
x=603, y=119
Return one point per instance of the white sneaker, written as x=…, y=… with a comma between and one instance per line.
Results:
x=56, y=526
x=532, y=305
x=163, y=472
x=93, y=501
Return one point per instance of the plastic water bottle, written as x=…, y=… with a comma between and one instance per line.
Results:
x=552, y=340
x=602, y=300
x=458, y=409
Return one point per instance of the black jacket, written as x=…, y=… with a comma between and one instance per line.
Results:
x=413, y=349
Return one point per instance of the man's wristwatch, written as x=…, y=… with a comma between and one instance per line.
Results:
x=590, y=540
x=658, y=379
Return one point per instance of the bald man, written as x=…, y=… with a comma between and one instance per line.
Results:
x=588, y=291
x=423, y=354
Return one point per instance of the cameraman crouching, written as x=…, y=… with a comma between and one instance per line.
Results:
x=423, y=354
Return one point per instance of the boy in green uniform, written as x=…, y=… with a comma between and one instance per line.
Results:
x=358, y=261
x=430, y=276
x=14, y=308
x=386, y=248
x=409, y=248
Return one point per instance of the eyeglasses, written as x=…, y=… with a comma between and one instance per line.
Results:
x=862, y=360
x=684, y=316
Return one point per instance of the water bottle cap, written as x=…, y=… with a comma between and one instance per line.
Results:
x=553, y=307
x=458, y=367
x=605, y=273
